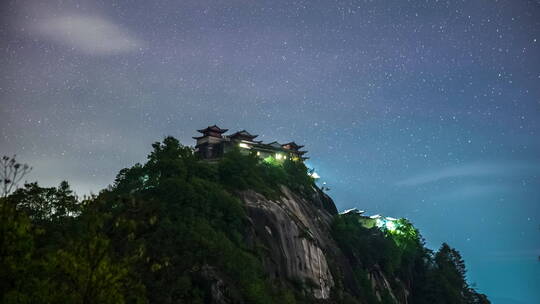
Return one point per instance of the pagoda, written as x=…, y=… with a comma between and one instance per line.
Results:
x=212, y=144
x=243, y=135
x=295, y=149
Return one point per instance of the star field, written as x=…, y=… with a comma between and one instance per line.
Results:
x=428, y=110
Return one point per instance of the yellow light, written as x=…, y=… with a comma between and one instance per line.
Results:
x=258, y=153
x=243, y=145
x=278, y=156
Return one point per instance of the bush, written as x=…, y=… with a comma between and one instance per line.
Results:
x=241, y=172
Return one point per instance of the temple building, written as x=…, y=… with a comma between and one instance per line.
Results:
x=212, y=144
x=377, y=220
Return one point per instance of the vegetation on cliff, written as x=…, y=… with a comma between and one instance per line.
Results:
x=174, y=231
x=432, y=277
x=159, y=234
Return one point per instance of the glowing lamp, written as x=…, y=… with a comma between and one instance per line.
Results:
x=390, y=226
x=315, y=175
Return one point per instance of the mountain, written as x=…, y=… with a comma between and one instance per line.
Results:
x=238, y=230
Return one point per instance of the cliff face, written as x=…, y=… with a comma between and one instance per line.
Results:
x=298, y=249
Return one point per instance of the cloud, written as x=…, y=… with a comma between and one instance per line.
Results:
x=479, y=169
x=474, y=190
x=92, y=35
x=530, y=255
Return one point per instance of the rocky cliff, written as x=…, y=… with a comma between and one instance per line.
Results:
x=295, y=232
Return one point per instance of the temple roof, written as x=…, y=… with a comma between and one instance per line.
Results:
x=274, y=144
x=203, y=136
x=292, y=145
x=243, y=135
x=352, y=211
x=213, y=128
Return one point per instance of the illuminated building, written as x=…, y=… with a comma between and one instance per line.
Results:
x=212, y=144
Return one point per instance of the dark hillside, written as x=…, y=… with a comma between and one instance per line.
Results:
x=240, y=230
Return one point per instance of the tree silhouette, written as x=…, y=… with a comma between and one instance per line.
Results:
x=11, y=174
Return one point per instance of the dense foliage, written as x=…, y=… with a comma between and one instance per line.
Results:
x=170, y=230
x=162, y=233
x=436, y=278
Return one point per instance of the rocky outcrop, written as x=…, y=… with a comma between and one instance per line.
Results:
x=380, y=284
x=293, y=232
x=294, y=236
x=221, y=292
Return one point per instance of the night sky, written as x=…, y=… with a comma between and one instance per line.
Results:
x=428, y=110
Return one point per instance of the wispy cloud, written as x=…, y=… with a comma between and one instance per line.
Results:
x=515, y=255
x=92, y=35
x=473, y=191
x=478, y=169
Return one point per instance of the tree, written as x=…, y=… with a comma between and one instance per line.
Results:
x=54, y=249
x=447, y=279
x=46, y=204
x=85, y=269
x=11, y=174
x=16, y=255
